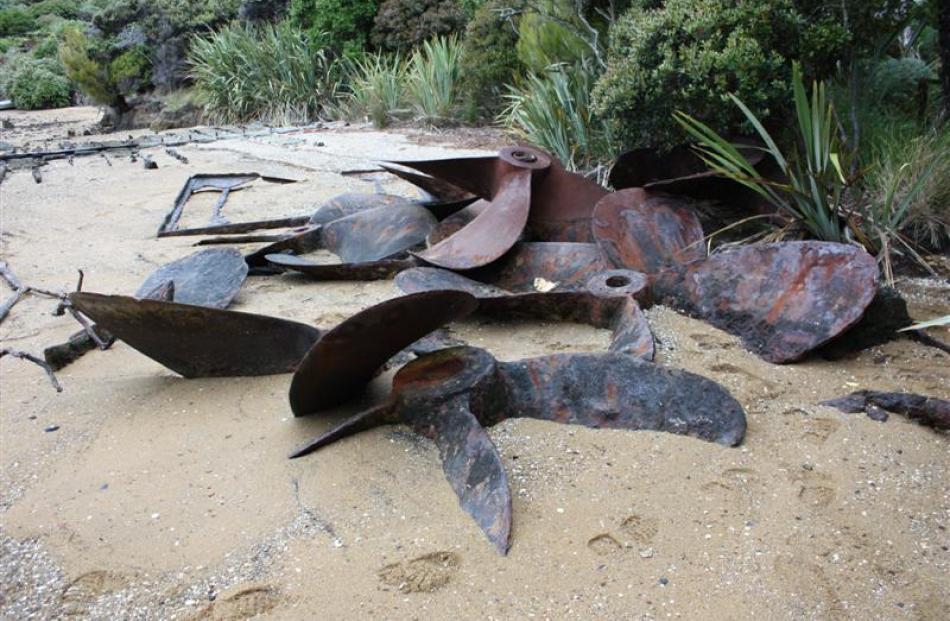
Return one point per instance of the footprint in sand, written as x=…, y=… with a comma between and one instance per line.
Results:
x=759, y=386
x=604, y=544
x=705, y=342
x=82, y=593
x=240, y=603
x=815, y=488
x=422, y=574
x=640, y=529
x=818, y=430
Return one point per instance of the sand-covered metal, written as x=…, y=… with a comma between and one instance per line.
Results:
x=929, y=411
x=209, y=278
x=452, y=395
x=198, y=341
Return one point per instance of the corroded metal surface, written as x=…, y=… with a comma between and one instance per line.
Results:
x=647, y=232
x=451, y=395
x=196, y=341
x=349, y=203
x=928, y=411
x=207, y=278
x=348, y=356
x=371, y=244
x=782, y=299
x=605, y=300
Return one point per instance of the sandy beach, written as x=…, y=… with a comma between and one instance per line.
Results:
x=159, y=497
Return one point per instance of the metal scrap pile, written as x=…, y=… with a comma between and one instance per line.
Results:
x=509, y=236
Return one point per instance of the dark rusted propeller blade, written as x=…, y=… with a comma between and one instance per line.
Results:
x=564, y=264
x=496, y=229
x=929, y=411
x=201, y=342
x=369, y=270
x=349, y=203
x=348, y=356
x=377, y=233
x=562, y=205
x=450, y=396
x=207, y=278
x=647, y=232
x=782, y=299
x=440, y=191
x=456, y=222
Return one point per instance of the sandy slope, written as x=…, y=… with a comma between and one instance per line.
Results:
x=158, y=495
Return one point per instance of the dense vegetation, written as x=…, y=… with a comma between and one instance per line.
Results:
x=585, y=79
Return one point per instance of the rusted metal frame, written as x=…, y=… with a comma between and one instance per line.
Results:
x=238, y=228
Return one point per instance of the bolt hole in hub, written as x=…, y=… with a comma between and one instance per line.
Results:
x=612, y=283
x=617, y=281
x=524, y=156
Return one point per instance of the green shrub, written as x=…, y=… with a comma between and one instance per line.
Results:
x=15, y=21
x=8, y=43
x=432, y=87
x=690, y=55
x=552, y=110
x=270, y=72
x=36, y=85
x=91, y=76
x=376, y=84
x=66, y=9
x=546, y=38
x=404, y=24
x=131, y=71
x=896, y=82
x=489, y=59
x=340, y=25
x=47, y=48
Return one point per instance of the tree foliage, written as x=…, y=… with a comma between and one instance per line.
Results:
x=405, y=24
x=489, y=58
x=343, y=26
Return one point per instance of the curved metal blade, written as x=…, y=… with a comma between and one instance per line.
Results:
x=562, y=206
x=492, y=233
x=615, y=391
x=782, y=299
x=561, y=263
x=347, y=357
x=296, y=243
x=349, y=203
x=471, y=464
x=364, y=421
x=647, y=232
x=440, y=190
x=207, y=278
x=478, y=175
x=370, y=270
x=201, y=342
x=378, y=233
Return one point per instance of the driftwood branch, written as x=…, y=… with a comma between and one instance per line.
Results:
x=22, y=355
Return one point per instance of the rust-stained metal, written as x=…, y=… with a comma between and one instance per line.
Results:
x=647, y=232
x=346, y=357
x=197, y=341
x=929, y=411
x=528, y=194
x=371, y=244
x=552, y=281
x=222, y=183
x=452, y=395
x=349, y=203
x=782, y=299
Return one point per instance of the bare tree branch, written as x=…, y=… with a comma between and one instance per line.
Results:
x=22, y=355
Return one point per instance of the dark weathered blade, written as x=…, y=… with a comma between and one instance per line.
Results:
x=238, y=228
x=370, y=270
x=614, y=391
x=378, y=233
x=201, y=342
x=441, y=191
x=347, y=357
x=300, y=242
x=207, y=278
x=349, y=203
x=560, y=263
x=647, y=232
x=364, y=421
x=492, y=233
x=477, y=175
x=782, y=299
x=456, y=222
x=562, y=205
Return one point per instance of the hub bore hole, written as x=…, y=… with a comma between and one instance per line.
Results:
x=617, y=281
x=524, y=156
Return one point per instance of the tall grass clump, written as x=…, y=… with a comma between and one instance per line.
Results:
x=432, y=84
x=552, y=110
x=815, y=185
x=269, y=73
x=376, y=84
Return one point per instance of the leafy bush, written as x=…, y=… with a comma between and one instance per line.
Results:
x=404, y=24
x=131, y=71
x=552, y=110
x=66, y=9
x=547, y=36
x=340, y=25
x=489, y=58
x=896, y=82
x=253, y=11
x=90, y=76
x=270, y=73
x=433, y=80
x=688, y=55
x=15, y=21
x=36, y=84
x=376, y=85
x=47, y=48
x=815, y=185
